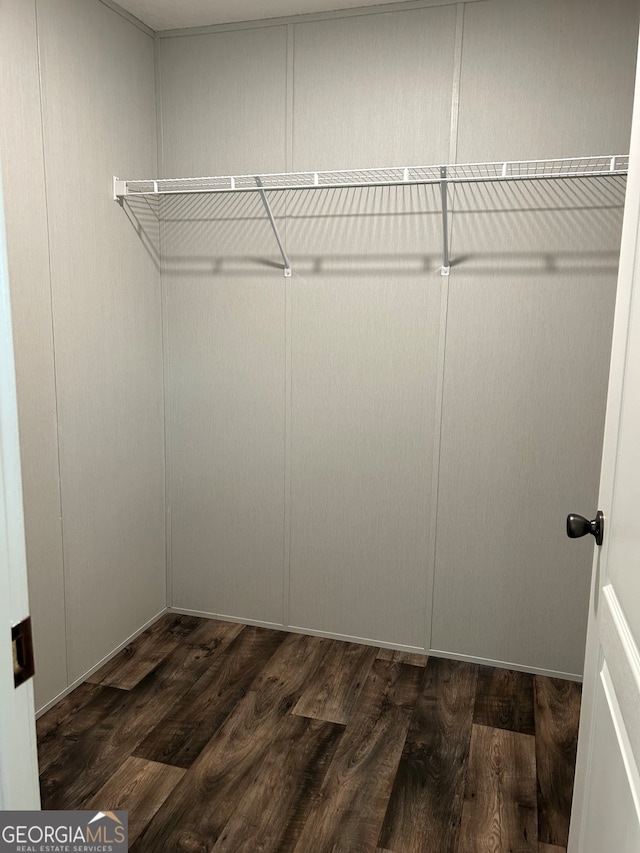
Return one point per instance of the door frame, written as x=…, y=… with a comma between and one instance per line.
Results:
x=19, y=787
x=628, y=270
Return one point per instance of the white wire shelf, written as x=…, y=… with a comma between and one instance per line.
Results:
x=444, y=175
x=571, y=167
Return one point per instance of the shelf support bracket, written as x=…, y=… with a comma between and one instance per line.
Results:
x=446, y=263
x=119, y=189
x=267, y=207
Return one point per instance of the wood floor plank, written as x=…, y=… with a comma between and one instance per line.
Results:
x=504, y=700
x=273, y=811
x=50, y=722
x=418, y=766
x=334, y=691
x=425, y=807
x=92, y=707
x=557, y=714
x=83, y=766
x=136, y=660
x=195, y=717
x=200, y=807
x=500, y=812
x=412, y=658
x=139, y=787
x=349, y=809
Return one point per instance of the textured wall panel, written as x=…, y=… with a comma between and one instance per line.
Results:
x=356, y=367
x=533, y=285
x=547, y=79
x=99, y=120
x=364, y=325
x=223, y=100
x=365, y=313
x=223, y=111
x=24, y=197
x=226, y=368
x=374, y=90
x=527, y=358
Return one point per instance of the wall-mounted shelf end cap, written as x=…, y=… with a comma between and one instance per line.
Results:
x=119, y=189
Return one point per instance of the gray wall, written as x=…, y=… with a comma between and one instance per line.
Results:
x=88, y=330
x=21, y=149
x=226, y=327
x=528, y=330
x=366, y=443
x=367, y=449
x=526, y=365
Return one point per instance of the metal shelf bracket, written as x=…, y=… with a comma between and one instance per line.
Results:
x=446, y=263
x=267, y=207
x=119, y=189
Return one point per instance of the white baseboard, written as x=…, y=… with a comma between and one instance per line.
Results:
x=100, y=663
x=368, y=641
x=501, y=664
x=296, y=629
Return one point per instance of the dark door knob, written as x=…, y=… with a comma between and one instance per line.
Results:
x=578, y=525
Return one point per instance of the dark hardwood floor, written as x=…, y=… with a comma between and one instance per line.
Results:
x=219, y=738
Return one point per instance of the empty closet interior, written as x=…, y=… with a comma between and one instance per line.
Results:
x=364, y=449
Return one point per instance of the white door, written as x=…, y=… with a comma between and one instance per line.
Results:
x=18, y=752
x=606, y=808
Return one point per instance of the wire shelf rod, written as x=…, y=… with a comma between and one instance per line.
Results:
x=365, y=184
x=514, y=170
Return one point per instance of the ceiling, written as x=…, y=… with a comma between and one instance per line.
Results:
x=175, y=14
